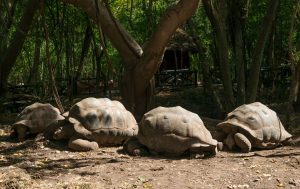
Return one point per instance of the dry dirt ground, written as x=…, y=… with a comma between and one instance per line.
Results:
x=39, y=163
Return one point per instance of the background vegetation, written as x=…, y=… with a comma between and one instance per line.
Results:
x=236, y=40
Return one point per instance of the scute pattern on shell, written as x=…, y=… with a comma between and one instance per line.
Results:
x=38, y=116
x=102, y=117
x=173, y=130
x=257, y=121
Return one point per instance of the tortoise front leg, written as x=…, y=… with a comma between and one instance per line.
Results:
x=242, y=142
x=78, y=144
x=21, y=132
x=205, y=150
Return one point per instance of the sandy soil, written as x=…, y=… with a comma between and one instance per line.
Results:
x=39, y=163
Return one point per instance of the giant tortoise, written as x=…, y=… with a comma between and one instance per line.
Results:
x=251, y=126
x=35, y=119
x=95, y=122
x=171, y=131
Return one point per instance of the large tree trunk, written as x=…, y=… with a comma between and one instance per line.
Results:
x=140, y=66
x=259, y=49
x=217, y=14
x=295, y=67
x=151, y=59
x=238, y=50
x=15, y=47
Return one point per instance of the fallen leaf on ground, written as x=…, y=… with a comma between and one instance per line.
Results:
x=280, y=185
x=147, y=185
x=39, y=163
x=66, y=165
x=18, y=154
x=266, y=175
x=2, y=133
x=2, y=158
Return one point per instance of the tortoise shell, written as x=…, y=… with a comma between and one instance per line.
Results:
x=102, y=120
x=256, y=121
x=37, y=117
x=173, y=130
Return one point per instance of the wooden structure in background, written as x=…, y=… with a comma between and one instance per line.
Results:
x=175, y=70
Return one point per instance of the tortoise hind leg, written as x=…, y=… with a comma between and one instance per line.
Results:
x=202, y=149
x=78, y=144
x=133, y=147
x=242, y=142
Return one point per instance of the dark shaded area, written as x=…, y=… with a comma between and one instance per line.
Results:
x=31, y=156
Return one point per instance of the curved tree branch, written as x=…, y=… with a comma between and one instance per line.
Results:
x=174, y=16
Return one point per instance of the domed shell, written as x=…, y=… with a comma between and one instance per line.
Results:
x=38, y=116
x=173, y=130
x=256, y=120
x=97, y=118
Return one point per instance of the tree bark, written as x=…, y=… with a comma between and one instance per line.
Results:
x=259, y=49
x=15, y=47
x=174, y=16
x=238, y=50
x=295, y=67
x=217, y=14
x=151, y=59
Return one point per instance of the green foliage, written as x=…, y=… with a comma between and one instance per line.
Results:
x=140, y=17
x=67, y=24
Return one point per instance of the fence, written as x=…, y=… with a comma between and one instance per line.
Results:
x=176, y=78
